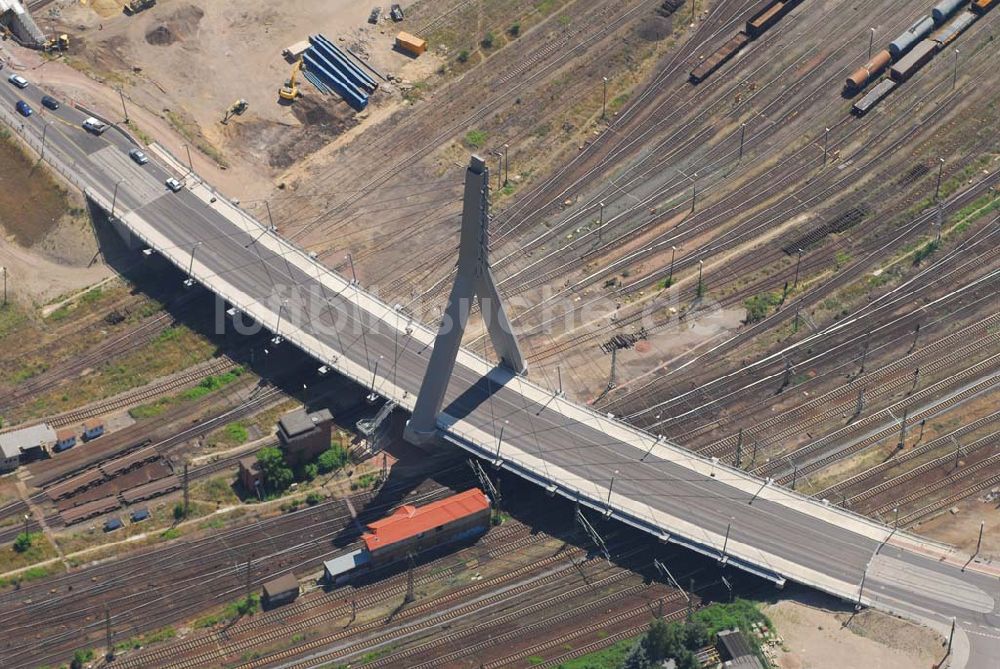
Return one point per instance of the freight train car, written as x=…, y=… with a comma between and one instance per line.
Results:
x=948, y=33
x=944, y=9
x=861, y=76
x=913, y=61
x=873, y=97
x=719, y=57
x=920, y=29
x=983, y=6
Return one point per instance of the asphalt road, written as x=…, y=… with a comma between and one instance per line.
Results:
x=898, y=580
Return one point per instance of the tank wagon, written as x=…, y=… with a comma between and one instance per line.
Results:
x=920, y=29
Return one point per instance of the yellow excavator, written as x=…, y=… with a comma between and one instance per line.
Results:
x=290, y=90
x=235, y=109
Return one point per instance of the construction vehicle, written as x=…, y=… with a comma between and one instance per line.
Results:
x=136, y=6
x=290, y=90
x=235, y=109
x=60, y=43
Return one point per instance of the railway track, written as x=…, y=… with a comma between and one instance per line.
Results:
x=268, y=626
x=930, y=465
x=144, y=394
x=800, y=455
x=921, y=513
x=918, y=451
x=946, y=482
x=877, y=382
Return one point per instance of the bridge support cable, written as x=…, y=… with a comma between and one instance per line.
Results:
x=473, y=281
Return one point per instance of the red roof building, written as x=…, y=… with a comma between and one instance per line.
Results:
x=411, y=522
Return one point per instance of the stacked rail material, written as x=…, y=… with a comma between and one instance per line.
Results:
x=89, y=510
x=948, y=33
x=151, y=490
x=944, y=9
x=335, y=72
x=983, y=6
x=920, y=29
x=333, y=53
x=873, y=97
x=717, y=59
x=861, y=76
x=914, y=60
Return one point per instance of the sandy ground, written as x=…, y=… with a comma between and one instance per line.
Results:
x=236, y=46
x=814, y=638
x=961, y=529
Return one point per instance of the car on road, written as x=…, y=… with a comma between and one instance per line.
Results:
x=91, y=124
x=173, y=184
x=138, y=156
x=23, y=108
x=18, y=80
x=50, y=102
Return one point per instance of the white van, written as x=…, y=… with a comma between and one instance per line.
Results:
x=95, y=126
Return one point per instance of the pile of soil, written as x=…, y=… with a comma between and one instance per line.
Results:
x=177, y=27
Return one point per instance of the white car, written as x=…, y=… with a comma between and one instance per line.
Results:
x=173, y=184
x=18, y=80
x=93, y=125
x=138, y=156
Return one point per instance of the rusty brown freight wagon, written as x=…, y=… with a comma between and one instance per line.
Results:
x=718, y=57
x=868, y=71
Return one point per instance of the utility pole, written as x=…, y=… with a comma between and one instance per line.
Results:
x=270, y=220
x=247, y=593
x=860, y=406
x=690, y=608
x=916, y=335
x=694, y=189
x=45, y=129
x=902, y=431
x=916, y=378
x=4, y=270
x=114, y=197
x=743, y=135
x=826, y=144
x=753, y=456
x=190, y=162
x=506, y=166
x=798, y=264
x=725, y=542
x=673, y=254
x=110, y=654
x=787, y=376
x=354, y=610
x=604, y=106
x=864, y=354
x=871, y=43
x=701, y=286
x=600, y=226
x=26, y=518
x=795, y=474
x=610, y=488
x=937, y=189
x=954, y=79
x=121, y=94
x=951, y=636
x=795, y=324
x=409, y=581
x=739, y=448
x=499, y=169
x=958, y=451
x=614, y=368
x=186, y=499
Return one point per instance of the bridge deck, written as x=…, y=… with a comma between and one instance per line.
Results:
x=561, y=445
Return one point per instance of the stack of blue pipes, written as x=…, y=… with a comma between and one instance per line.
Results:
x=330, y=70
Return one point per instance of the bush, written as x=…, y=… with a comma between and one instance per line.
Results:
x=23, y=542
x=463, y=56
x=487, y=41
x=514, y=30
x=364, y=482
x=310, y=471
x=333, y=458
x=314, y=498
x=179, y=512
x=758, y=306
x=81, y=657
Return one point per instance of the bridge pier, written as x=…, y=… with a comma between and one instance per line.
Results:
x=474, y=280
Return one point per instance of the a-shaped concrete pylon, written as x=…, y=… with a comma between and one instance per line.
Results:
x=474, y=280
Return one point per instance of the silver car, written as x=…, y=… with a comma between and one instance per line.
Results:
x=138, y=156
x=18, y=80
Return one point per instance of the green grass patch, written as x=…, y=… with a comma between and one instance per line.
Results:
x=475, y=139
x=32, y=574
x=207, y=385
x=170, y=533
x=143, y=640
x=612, y=657
x=364, y=481
x=760, y=305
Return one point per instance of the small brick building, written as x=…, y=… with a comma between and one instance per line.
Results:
x=303, y=436
x=250, y=474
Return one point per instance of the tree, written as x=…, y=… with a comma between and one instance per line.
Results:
x=333, y=458
x=179, y=511
x=23, y=542
x=463, y=56
x=310, y=471
x=277, y=474
x=514, y=30
x=487, y=42
x=637, y=657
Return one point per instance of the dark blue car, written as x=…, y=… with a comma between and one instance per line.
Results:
x=23, y=108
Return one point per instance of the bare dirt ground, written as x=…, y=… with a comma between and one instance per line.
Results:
x=815, y=638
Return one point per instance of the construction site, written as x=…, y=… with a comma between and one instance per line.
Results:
x=757, y=239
